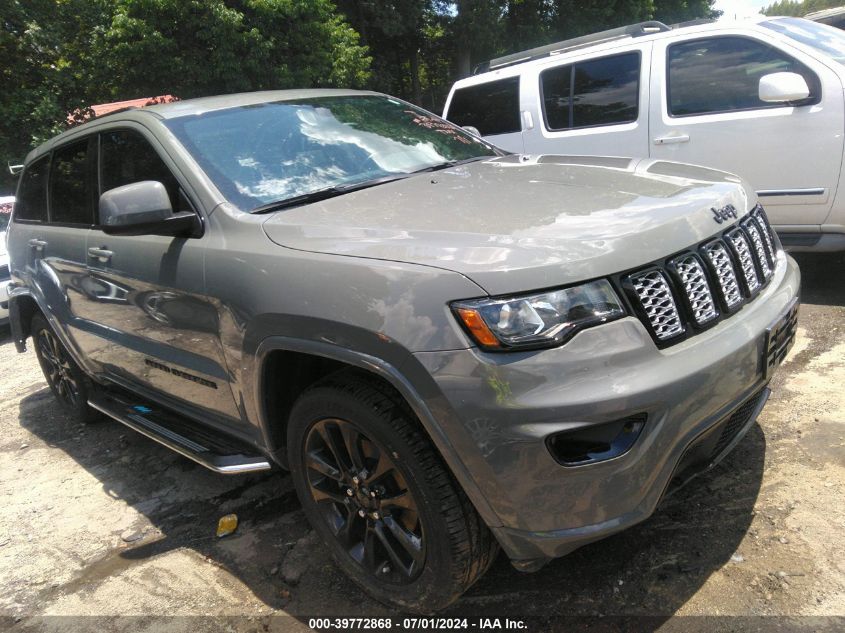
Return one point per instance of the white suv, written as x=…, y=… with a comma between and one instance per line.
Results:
x=761, y=98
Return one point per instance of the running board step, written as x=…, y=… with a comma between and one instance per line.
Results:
x=202, y=445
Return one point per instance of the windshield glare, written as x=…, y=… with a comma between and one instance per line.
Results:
x=271, y=152
x=825, y=39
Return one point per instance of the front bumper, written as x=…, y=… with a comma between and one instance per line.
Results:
x=499, y=410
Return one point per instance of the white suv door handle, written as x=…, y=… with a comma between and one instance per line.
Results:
x=37, y=244
x=672, y=138
x=100, y=254
x=527, y=120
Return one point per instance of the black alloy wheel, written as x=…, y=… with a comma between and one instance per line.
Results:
x=66, y=380
x=57, y=368
x=365, y=500
x=381, y=498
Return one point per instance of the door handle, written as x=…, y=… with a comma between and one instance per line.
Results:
x=100, y=254
x=671, y=138
x=37, y=244
x=527, y=120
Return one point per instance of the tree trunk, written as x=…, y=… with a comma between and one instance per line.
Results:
x=464, y=66
x=416, y=88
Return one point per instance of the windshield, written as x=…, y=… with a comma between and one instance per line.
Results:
x=823, y=38
x=271, y=152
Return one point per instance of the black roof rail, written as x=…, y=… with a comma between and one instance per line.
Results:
x=697, y=22
x=633, y=30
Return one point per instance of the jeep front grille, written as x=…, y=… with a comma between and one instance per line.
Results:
x=658, y=303
x=709, y=281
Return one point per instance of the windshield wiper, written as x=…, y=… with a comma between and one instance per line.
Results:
x=324, y=194
x=339, y=190
x=450, y=163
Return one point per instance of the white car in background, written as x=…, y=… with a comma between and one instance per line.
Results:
x=760, y=98
x=5, y=213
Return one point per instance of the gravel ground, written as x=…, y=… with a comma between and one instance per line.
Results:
x=99, y=521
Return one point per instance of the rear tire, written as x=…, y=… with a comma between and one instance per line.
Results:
x=351, y=427
x=66, y=380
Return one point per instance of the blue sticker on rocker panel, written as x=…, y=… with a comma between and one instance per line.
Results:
x=142, y=409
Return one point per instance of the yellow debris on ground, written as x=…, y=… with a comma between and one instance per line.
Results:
x=227, y=524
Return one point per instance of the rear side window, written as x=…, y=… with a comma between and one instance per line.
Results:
x=722, y=74
x=595, y=92
x=71, y=201
x=31, y=202
x=127, y=157
x=491, y=107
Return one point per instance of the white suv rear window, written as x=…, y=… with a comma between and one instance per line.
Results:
x=492, y=107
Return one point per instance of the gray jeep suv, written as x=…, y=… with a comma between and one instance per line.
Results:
x=453, y=350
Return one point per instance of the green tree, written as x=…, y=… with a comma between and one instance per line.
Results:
x=200, y=47
x=60, y=55
x=799, y=9
x=676, y=11
x=43, y=45
x=573, y=18
x=396, y=32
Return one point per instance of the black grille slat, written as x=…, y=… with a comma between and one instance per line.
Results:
x=759, y=216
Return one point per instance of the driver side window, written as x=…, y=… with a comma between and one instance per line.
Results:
x=722, y=74
x=127, y=157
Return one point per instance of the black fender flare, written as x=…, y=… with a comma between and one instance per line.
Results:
x=395, y=377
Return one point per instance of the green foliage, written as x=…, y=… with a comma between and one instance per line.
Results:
x=60, y=55
x=799, y=9
x=200, y=47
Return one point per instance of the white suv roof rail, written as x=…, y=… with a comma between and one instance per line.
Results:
x=632, y=30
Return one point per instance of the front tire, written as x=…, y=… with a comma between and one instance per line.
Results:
x=66, y=380
x=378, y=493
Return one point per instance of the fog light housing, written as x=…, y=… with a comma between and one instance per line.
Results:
x=596, y=442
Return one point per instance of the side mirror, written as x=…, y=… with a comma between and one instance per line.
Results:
x=143, y=208
x=783, y=88
x=471, y=129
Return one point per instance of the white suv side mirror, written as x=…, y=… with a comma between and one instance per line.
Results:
x=783, y=87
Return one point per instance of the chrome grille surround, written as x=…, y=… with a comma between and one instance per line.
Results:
x=753, y=231
x=742, y=249
x=657, y=301
x=697, y=290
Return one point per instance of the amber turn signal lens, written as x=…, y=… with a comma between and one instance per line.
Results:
x=477, y=327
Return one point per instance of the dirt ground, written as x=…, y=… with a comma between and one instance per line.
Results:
x=99, y=521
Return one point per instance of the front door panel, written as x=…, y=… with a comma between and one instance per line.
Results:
x=152, y=324
x=710, y=115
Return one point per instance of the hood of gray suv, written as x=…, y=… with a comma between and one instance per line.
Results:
x=521, y=222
